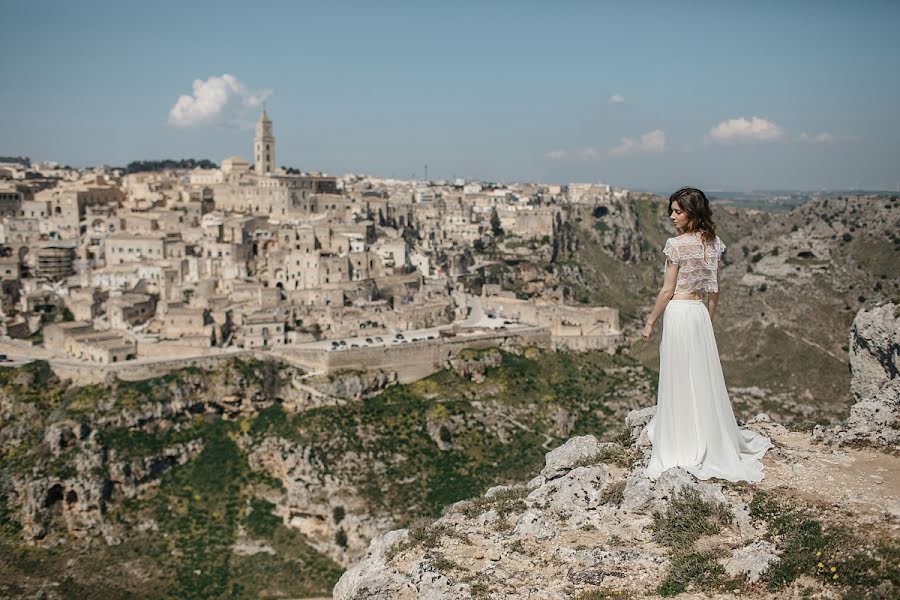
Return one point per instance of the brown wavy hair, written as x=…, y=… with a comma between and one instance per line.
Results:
x=694, y=203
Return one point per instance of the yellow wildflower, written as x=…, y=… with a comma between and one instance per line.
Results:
x=835, y=576
x=819, y=553
x=820, y=565
x=833, y=569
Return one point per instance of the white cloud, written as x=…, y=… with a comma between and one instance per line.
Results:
x=820, y=138
x=740, y=130
x=557, y=154
x=616, y=99
x=652, y=141
x=222, y=99
x=589, y=153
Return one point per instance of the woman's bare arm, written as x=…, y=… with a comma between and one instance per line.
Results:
x=713, y=299
x=662, y=299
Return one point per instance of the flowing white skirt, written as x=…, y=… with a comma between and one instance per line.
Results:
x=694, y=426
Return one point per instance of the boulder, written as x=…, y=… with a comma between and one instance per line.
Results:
x=752, y=560
x=564, y=458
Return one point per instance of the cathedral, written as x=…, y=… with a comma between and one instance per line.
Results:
x=267, y=190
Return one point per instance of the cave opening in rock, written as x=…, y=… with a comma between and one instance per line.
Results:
x=54, y=495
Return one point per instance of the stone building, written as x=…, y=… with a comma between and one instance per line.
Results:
x=79, y=340
x=124, y=247
x=186, y=323
x=264, y=146
x=67, y=204
x=128, y=310
x=10, y=201
x=54, y=260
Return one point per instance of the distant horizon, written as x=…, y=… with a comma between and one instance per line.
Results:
x=725, y=95
x=659, y=191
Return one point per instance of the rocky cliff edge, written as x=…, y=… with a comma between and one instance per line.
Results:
x=825, y=521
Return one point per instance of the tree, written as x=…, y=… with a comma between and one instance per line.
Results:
x=495, y=223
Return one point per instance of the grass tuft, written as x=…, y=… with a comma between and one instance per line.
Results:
x=698, y=568
x=503, y=502
x=688, y=518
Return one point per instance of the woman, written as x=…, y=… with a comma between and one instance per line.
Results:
x=694, y=426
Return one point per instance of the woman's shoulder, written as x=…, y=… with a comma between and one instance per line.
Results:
x=684, y=238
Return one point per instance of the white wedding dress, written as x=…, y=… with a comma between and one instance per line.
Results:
x=694, y=425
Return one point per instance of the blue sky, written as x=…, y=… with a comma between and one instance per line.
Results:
x=732, y=95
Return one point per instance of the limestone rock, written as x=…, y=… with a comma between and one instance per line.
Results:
x=874, y=349
x=129, y=478
x=354, y=385
x=875, y=382
x=752, y=560
x=475, y=368
x=580, y=488
x=636, y=421
x=370, y=578
x=63, y=434
x=564, y=458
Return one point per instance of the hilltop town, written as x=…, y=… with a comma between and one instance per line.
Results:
x=133, y=273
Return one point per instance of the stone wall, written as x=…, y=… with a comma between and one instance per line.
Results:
x=413, y=360
x=83, y=374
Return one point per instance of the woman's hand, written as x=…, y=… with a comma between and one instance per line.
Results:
x=647, y=332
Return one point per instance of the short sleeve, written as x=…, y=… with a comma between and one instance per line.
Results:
x=720, y=247
x=671, y=251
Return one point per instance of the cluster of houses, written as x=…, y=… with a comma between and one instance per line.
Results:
x=106, y=266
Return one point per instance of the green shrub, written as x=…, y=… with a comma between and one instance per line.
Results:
x=261, y=522
x=688, y=518
x=698, y=568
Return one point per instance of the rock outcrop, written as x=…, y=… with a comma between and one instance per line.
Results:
x=316, y=502
x=586, y=523
x=474, y=367
x=875, y=366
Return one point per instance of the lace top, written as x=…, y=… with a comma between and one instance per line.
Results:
x=697, y=262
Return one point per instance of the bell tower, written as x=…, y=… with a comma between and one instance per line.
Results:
x=264, y=145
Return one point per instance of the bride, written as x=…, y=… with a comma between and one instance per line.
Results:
x=694, y=426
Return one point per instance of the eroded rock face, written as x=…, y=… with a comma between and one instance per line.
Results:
x=78, y=500
x=874, y=349
x=72, y=473
x=875, y=383
x=129, y=478
x=313, y=498
x=354, y=385
x=475, y=368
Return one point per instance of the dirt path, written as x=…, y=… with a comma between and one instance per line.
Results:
x=864, y=480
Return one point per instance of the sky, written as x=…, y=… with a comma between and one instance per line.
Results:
x=647, y=95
